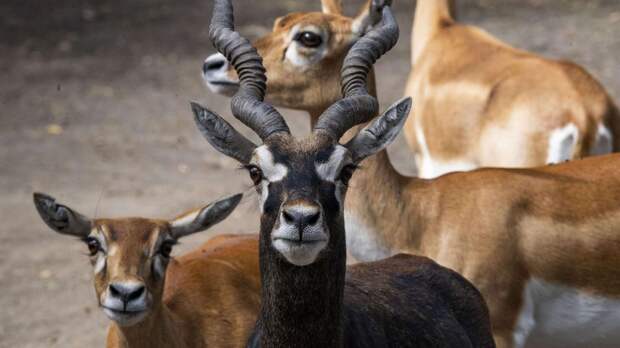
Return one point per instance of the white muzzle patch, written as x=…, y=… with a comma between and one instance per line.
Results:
x=301, y=235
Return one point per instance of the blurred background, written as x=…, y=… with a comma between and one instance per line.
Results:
x=94, y=110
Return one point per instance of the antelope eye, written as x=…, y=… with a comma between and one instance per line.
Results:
x=346, y=173
x=256, y=174
x=165, y=249
x=309, y=39
x=93, y=246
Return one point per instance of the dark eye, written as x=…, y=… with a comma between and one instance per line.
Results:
x=93, y=246
x=346, y=173
x=166, y=249
x=309, y=39
x=255, y=174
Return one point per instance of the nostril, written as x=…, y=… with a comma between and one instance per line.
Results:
x=135, y=294
x=288, y=217
x=212, y=65
x=314, y=218
x=114, y=291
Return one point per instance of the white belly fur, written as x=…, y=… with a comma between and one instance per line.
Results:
x=559, y=316
x=430, y=168
x=362, y=242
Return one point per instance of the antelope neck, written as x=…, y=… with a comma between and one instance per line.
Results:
x=302, y=306
x=388, y=203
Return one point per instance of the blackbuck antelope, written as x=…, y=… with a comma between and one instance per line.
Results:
x=482, y=103
x=206, y=298
x=540, y=244
x=307, y=301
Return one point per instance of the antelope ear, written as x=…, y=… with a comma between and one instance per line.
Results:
x=381, y=132
x=332, y=7
x=61, y=218
x=221, y=135
x=369, y=15
x=200, y=219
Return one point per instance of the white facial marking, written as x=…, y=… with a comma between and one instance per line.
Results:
x=329, y=171
x=300, y=247
x=293, y=51
x=430, y=168
x=562, y=143
x=101, y=257
x=273, y=172
x=362, y=241
x=559, y=316
x=158, y=266
x=603, y=142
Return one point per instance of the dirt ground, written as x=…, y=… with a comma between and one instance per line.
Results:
x=94, y=110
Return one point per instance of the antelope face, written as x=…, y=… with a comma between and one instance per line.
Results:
x=130, y=255
x=302, y=55
x=301, y=185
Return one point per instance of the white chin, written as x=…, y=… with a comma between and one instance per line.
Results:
x=299, y=254
x=226, y=88
x=125, y=318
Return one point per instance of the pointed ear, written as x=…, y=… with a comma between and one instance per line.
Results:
x=61, y=218
x=381, y=132
x=221, y=135
x=332, y=7
x=369, y=15
x=200, y=219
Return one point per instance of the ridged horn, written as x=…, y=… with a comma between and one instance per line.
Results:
x=358, y=106
x=247, y=104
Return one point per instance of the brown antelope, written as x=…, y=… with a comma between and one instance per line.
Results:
x=404, y=301
x=540, y=244
x=206, y=298
x=482, y=103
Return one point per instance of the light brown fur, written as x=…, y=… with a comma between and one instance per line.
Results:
x=480, y=101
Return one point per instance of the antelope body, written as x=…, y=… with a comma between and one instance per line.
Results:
x=482, y=103
x=476, y=223
x=404, y=301
x=208, y=297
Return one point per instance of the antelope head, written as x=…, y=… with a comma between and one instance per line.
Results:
x=130, y=255
x=301, y=182
x=302, y=54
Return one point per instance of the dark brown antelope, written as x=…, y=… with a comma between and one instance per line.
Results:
x=308, y=297
x=206, y=298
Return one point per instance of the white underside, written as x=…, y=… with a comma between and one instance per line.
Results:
x=559, y=316
x=562, y=143
x=603, y=142
x=431, y=168
x=362, y=242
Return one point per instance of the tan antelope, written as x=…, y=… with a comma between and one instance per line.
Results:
x=403, y=301
x=540, y=244
x=479, y=102
x=482, y=103
x=206, y=298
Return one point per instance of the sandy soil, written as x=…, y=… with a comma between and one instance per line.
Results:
x=94, y=110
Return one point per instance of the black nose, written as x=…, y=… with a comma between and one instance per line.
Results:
x=301, y=216
x=213, y=65
x=126, y=292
